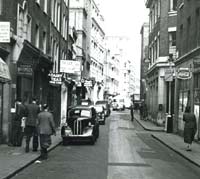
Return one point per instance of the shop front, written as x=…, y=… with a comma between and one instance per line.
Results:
x=33, y=80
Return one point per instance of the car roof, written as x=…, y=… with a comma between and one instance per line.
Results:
x=82, y=107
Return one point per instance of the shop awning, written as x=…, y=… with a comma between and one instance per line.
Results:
x=4, y=71
x=33, y=56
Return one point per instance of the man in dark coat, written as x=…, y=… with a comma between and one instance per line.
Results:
x=30, y=129
x=20, y=114
x=132, y=111
x=46, y=127
x=189, y=128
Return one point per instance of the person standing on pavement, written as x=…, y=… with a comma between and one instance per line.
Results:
x=46, y=127
x=30, y=128
x=20, y=115
x=190, y=127
x=132, y=111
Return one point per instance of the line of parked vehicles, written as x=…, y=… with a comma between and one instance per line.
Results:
x=83, y=121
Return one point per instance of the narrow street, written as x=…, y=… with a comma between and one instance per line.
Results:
x=123, y=151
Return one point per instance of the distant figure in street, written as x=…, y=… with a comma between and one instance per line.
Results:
x=30, y=128
x=189, y=128
x=132, y=111
x=20, y=115
x=145, y=112
x=46, y=127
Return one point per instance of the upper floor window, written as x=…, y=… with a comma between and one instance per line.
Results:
x=173, y=5
x=1, y=6
x=37, y=1
x=45, y=5
x=172, y=38
x=23, y=23
x=44, y=42
x=37, y=36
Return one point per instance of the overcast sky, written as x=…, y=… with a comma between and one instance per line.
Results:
x=125, y=17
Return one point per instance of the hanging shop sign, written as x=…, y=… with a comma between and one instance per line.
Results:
x=70, y=66
x=88, y=83
x=55, y=78
x=4, y=32
x=169, y=74
x=184, y=73
x=25, y=69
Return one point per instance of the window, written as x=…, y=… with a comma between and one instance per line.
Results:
x=173, y=5
x=37, y=1
x=197, y=25
x=188, y=32
x=44, y=42
x=1, y=6
x=45, y=5
x=172, y=38
x=37, y=36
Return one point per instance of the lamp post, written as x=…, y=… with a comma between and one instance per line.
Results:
x=169, y=122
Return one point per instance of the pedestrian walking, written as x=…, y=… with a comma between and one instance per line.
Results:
x=20, y=115
x=46, y=128
x=30, y=128
x=132, y=111
x=190, y=127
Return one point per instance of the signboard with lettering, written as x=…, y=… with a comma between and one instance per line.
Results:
x=70, y=66
x=4, y=32
x=25, y=69
x=88, y=83
x=169, y=74
x=56, y=78
x=183, y=73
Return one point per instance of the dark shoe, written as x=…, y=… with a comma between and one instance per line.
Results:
x=34, y=150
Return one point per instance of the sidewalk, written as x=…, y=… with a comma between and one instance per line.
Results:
x=173, y=141
x=14, y=159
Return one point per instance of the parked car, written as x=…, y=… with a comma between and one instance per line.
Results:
x=86, y=102
x=100, y=114
x=81, y=125
x=118, y=104
x=106, y=106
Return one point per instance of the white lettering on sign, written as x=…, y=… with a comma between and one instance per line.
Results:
x=56, y=78
x=4, y=32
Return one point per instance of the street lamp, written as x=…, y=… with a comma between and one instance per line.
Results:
x=169, y=122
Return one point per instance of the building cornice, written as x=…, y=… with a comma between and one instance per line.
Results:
x=185, y=57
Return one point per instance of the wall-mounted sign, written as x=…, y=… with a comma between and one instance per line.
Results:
x=56, y=78
x=183, y=73
x=4, y=32
x=70, y=66
x=25, y=69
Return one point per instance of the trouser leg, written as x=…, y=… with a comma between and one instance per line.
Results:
x=28, y=133
x=35, y=140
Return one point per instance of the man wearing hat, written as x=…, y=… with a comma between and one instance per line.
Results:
x=46, y=127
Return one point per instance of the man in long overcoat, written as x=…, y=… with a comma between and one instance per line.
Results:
x=46, y=127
